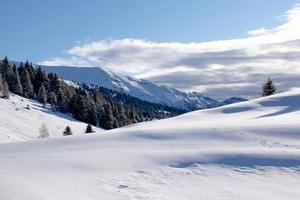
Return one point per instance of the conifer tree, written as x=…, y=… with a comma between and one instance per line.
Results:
x=7, y=72
x=39, y=79
x=31, y=70
x=52, y=99
x=80, y=107
x=43, y=131
x=17, y=87
x=1, y=85
x=268, y=88
x=54, y=83
x=107, y=119
x=5, y=90
x=92, y=114
x=42, y=95
x=67, y=131
x=26, y=82
x=89, y=129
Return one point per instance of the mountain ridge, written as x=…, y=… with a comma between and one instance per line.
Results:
x=139, y=88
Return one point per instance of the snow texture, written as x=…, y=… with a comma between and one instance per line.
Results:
x=243, y=151
x=19, y=123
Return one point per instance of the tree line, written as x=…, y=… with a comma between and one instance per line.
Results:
x=91, y=104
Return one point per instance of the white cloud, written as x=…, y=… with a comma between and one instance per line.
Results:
x=229, y=66
x=72, y=61
x=260, y=31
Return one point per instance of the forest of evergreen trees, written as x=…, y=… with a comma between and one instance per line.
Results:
x=88, y=103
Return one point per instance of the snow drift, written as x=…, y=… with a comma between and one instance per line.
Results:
x=248, y=150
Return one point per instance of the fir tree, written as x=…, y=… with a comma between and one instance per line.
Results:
x=268, y=88
x=52, y=99
x=17, y=87
x=54, y=83
x=5, y=92
x=43, y=131
x=7, y=72
x=31, y=70
x=89, y=129
x=107, y=119
x=80, y=107
x=67, y=131
x=42, y=95
x=26, y=82
x=39, y=79
x=92, y=114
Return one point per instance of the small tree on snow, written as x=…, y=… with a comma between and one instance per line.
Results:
x=268, y=88
x=67, y=131
x=43, y=131
x=89, y=129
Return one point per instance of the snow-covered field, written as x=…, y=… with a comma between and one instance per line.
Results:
x=17, y=123
x=249, y=150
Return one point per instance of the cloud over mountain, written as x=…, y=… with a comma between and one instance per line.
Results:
x=218, y=68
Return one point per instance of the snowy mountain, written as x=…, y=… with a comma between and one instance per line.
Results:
x=248, y=150
x=19, y=123
x=143, y=89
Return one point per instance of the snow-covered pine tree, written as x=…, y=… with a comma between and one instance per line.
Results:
x=5, y=93
x=43, y=131
x=52, y=99
x=7, y=72
x=26, y=82
x=54, y=83
x=1, y=85
x=31, y=70
x=67, y=131
x=39, y=79
x=42, y=95
x=268, y=88
x=17, y=87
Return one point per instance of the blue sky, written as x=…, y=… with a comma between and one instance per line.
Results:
x=221, y=48
x=41, y=29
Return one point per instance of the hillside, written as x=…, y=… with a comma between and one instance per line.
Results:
x=143, y=89
x=248, y=150
x=18, y=123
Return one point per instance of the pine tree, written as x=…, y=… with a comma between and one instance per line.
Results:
x=80, y=107
x=39, y=79
x=92, y=114
x=67, y=131
x=52, y=99
x=54, y=83
x=268, y=88
x=89, y=129
x=1, y=85
x=31, y=70
x=26, y=82
x=107, y=119
x=17, y=87
x=7, y=72
x=4, y=92
x=43, y=131
x=42, y=96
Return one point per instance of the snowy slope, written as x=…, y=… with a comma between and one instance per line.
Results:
x=142, y=89
x=248, y=150
x=18, y=123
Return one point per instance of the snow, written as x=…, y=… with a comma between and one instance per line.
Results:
x=18, y=123
x=143, y=89
x=248, y=150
